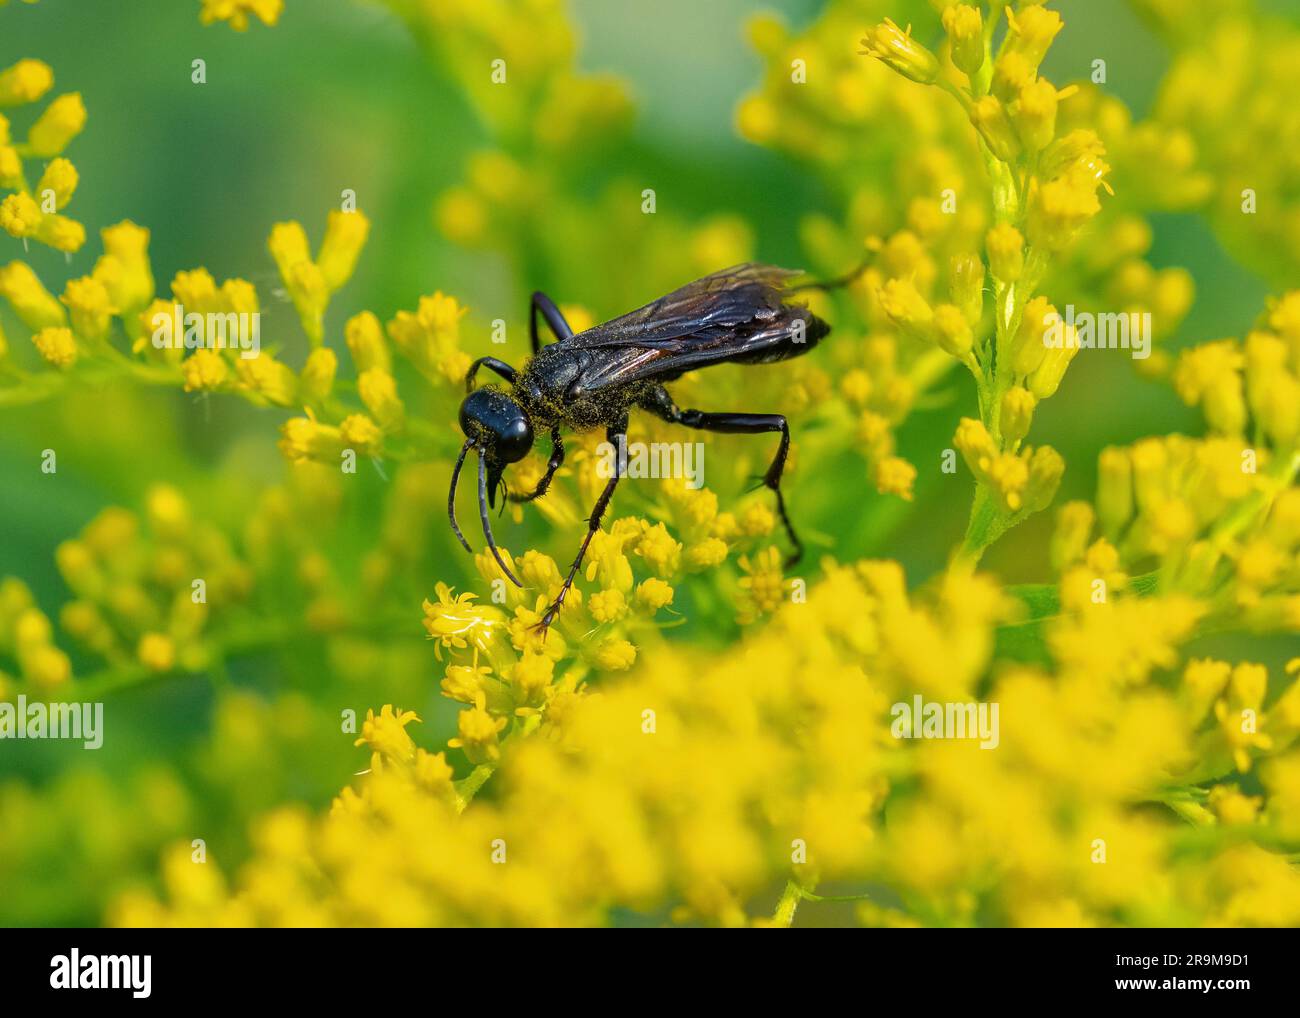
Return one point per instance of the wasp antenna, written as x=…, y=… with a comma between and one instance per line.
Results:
x=839, y=281
x=483, y=514
x=451, y=495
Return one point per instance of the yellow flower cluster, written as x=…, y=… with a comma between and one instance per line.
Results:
x=922, y=217
x=1043, y=187
x=36, y=212
x=27, y=639
x=703, y=784
x=1218, y=517
x=1228, y=96
x=238, y=13
x=148, y=595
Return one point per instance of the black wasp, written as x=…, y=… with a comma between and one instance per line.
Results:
x=741, y=315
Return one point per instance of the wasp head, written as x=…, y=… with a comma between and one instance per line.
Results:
x=498, y=428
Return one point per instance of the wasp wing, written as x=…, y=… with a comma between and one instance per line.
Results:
x=737, y=315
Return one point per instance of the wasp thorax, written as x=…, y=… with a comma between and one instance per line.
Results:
x=491, y=417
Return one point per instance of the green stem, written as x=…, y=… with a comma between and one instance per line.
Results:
x=469, y=787
x=785, y=908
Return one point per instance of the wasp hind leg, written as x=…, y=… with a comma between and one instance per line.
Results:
x=612, y=435
x=662, y=404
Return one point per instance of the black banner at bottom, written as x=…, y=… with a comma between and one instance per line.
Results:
x=142, y=968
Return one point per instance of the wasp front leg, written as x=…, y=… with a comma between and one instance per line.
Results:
x=552, y=465
x=554, y=318
x=661, y=403
x=613, y=435
x=492, y=364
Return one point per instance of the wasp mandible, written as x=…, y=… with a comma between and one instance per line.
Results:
x=741, y=315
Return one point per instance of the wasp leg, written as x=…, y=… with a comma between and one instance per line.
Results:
x=552, y=465
x=661, y=403
x=554, y=319
x=492, y=364
x=612, y=435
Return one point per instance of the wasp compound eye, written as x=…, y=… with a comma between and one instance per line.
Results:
x=499, y=423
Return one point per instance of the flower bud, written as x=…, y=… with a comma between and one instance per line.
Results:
x=892, y=46
x=56, y=346
x=35, y=306
x=1028, y=347
x=25, y=82
x=1045, y=379
x=1017, y=413
x=901, y=301
x=1046, y=468
x=965, y=27
x=1071, y=536
x=1032, y=30
x=1006, y=251
x=378, y=392
x=60, y=181
x=976, y=446
x=1011, y=73
x=61, y=121
x=990, y=119
x=365, y=339
x=951, y=330
x=1114, y=490
x=317, y=377
x=967, y=286
x=1036, y=115
x=345, y=236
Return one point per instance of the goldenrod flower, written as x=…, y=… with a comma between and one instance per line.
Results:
x=204, y=371
x=156, y=652
x=237, y=13
x=653, y=594
x=317, y=377
x=965, y=27
x=385, y=733
x=361, y=434
x=89, y=308
x=1017, y=413
x=1045, y=379
x=1032, y=30
x=1035, y=114
x=127, y=245
x=952, y=331
x=477, y=734
x=61, y=233
x=456, y=622
x=894, y=475
x=20, y=216
x=365, y=339
x=59, y=180
x=378, y=391
x=900, y=299
x=897, y=49
x=61, y=121
x=345, y=236
x=35, y=306
x=25, y=82
x=56, y=345
x=269, y=379
x=431, y=336
x=994, y=126
x=615, y=655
